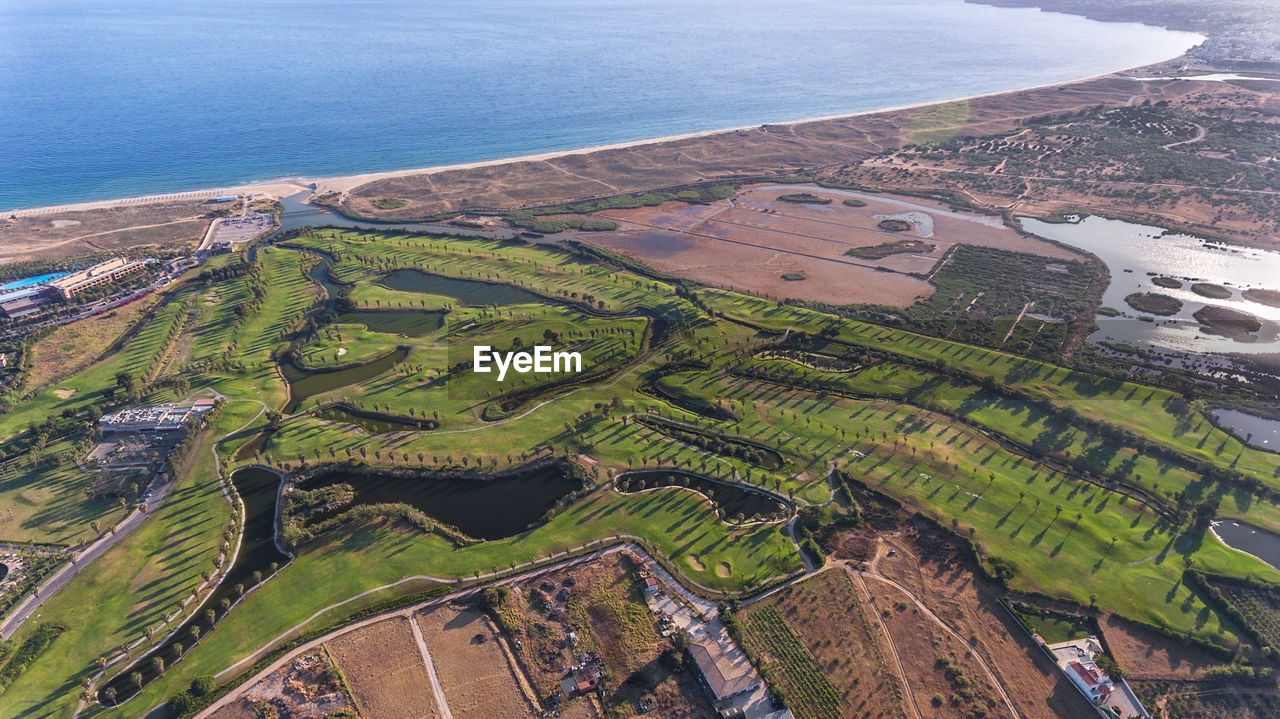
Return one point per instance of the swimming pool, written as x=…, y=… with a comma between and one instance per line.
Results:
x=37, y=280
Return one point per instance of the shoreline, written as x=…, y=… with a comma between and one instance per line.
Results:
x=288, y=186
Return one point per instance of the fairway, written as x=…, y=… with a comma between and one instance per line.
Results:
x=345, y=349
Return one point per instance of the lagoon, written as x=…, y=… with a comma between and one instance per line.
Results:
x=1135, y=254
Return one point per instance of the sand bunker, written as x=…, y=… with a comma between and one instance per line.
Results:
x=697, y=563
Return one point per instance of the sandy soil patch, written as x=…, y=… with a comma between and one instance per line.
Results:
x=1147, y=655
x=60, y=224
x=747, y=151
x=384, y=669
x=931, y=657
x=477, y=678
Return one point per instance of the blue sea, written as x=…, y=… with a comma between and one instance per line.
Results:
x=106, y=99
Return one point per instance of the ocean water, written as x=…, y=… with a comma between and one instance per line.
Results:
x=112, y=99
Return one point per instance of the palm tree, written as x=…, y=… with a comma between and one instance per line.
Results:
x=158, y=663
x=137, y=679
x=110, y=692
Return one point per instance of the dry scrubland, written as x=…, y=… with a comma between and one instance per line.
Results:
x=74, y=347
x=66, y=234
x=767, y=150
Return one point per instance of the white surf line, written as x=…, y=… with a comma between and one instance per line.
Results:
x=441, y=702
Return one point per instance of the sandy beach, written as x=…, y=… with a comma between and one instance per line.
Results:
x=283, y=187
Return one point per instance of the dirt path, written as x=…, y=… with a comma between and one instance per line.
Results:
x=991, y=676
x=442, y=703
x=888, y=638
x=1200, y=132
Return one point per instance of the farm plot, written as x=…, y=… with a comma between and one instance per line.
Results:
x=826, y=618
x=384, y=671
x=1188, y=700
x=1259, y=605
x=473, y=668
x=788, y=666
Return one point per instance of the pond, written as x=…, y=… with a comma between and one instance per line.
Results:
x=406, y=323
x=307, y=383
x=1258, y=431
x=1250, y=539
x=481, y=507
x=1137, y=254
x=375, y=422
x=467, y=292
x=299, y=213
x=253, y=446
x=257, y=488
x=730, y=499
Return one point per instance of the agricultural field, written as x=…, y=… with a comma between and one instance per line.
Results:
x=818, y=648
x=383, y=669
x=479, y=680
x=1176, y=700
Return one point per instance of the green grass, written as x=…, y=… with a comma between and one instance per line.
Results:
x=1100, y=547
x=130, y=587
x=48, y=505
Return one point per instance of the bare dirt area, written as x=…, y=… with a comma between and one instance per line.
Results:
x=752, y=240
x=384, y=671
x=944, y=678
x=600, y=603
x=478, y=679
x=765, y=150
x=825, y=613
x=1146, y=655
x=933, y=573
x=307, y=688
x=74, y=346
x=77, y=232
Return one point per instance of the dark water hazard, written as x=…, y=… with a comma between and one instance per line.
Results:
x=468, y=292
x=406, y=323
x=731, y=500
x=1247, y=538
x=4, y=570
x=257, y=488
x=482, y=508
x=1258, y=431
x=251, y=448
x=375, y=423
x=305, y=383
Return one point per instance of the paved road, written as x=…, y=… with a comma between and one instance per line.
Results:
x=79, y=560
